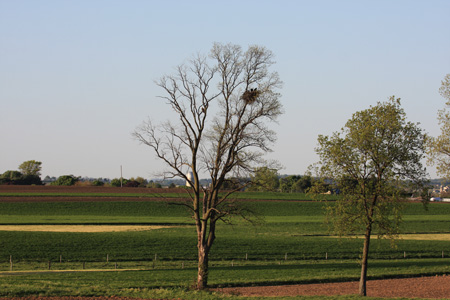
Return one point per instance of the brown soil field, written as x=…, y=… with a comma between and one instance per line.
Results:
x=85, y=199
x=80, y=228
x=77, y=298
x=84, y=189
x=437, y=287
x=87, y=190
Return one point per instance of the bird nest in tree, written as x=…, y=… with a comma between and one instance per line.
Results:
x=250, y=96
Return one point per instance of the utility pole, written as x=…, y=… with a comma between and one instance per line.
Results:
x=121, y=178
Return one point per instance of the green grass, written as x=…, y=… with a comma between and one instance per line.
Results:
x=290, y=228
x=141, y=283
x=295, y=228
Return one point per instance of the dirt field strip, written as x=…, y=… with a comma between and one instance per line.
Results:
x=80, y=228
x=436, y=287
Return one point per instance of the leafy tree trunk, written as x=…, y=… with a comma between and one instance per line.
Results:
x=364, y=262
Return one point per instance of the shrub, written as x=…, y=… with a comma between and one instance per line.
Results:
x=11, y=177
x=31, y=179
x=132, y=183
x=116, y=182
x=152, y=184
x=66, y=180
x=15, y=177
x=98, y=183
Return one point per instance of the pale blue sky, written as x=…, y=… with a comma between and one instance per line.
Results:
x=76, y=77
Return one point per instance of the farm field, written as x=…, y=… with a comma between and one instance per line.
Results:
x=134, y=248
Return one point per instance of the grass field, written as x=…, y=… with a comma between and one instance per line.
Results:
x=291, y=245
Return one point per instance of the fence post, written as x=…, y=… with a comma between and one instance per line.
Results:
x=285, y=256
x=60, y=259
x=49, y=264
x=326, y=255
x=10, y=263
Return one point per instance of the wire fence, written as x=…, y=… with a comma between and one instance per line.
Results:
x=160, y=262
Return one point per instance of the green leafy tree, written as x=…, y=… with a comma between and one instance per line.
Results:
x=31, y=167
x=11, y=177
x=223, y=103
x=375, y=152
x=439, y=147
x=132, y=183
x=155, y=185
x=31, y=180
x=303, y=184
x=66, y=180
x=287, y=184
x=98, y=182
x=142, y=182
x=264, y=179
x=117, y=182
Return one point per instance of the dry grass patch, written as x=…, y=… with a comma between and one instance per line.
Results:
x=80, y=228
x=417, y=237
x=426, y=237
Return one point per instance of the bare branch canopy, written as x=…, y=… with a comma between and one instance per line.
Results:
x=224, y=102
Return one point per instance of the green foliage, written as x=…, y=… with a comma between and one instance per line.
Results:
x=295, y=184
x=117, y=182
x=375, y=150
x=15, y=177
x=140, y=180
x=152, y=184
x=98, y=183
x=31, y=167
x=11, y=177
x=264, y=179
x=31, y=179
x=132, y=183
x=65, y=180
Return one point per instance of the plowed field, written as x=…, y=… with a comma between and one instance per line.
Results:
x=424, y=287
x=437, y=287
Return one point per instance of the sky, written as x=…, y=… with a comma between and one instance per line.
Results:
x=77, y=77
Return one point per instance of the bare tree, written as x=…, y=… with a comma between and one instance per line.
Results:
x=222, y=102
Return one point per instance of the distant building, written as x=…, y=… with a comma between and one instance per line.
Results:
x=190, y=177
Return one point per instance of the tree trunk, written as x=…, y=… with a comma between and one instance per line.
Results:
x=364, y=262
x=202, y=276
